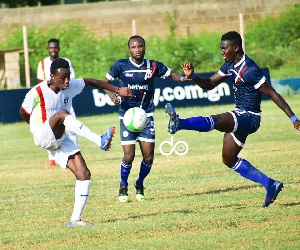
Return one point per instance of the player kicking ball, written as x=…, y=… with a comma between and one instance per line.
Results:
x=248, y=84
x=46, y=108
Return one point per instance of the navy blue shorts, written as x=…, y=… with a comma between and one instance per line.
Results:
x=246, y=123
x=129, y=137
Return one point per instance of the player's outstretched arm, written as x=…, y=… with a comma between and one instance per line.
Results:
x=115, y=98
x=202, y=82
x=269, y=91
x=124, y=92
x=177, y=77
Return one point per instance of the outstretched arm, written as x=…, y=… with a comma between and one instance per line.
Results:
x=124, y=92
x=269, y=91
x=115, y=98
x=202, y=82
x=177, y=77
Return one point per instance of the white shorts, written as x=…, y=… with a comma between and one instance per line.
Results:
x=59, y=149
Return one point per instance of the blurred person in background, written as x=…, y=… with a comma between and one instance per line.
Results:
x=43, y=74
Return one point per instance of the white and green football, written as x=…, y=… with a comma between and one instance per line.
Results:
x=135, y=119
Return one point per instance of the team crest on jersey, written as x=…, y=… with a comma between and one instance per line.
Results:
x=66, y=101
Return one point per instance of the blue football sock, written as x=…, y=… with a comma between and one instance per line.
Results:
x=124, y=172
x=245, y=169
x=199, y=123
x=144, y=171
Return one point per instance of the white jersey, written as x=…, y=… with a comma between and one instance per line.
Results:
x=41, y=102
x=43, y=71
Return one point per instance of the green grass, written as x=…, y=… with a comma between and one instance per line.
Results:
x=193, y=201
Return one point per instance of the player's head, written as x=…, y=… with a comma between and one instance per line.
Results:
x=134, y=37
x=60, y=73
x=137, y=48
x=53, y=48
x=57, y=64
x=231, y=46
x=234, y=37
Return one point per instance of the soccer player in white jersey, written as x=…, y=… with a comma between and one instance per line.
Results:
x=138, y=74
x=46, y=108
x=248, y=86
x=43, y=74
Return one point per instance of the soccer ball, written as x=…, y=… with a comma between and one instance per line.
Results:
x=135, y=119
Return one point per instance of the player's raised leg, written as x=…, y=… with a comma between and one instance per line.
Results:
x=79, y=128
x=197, y=123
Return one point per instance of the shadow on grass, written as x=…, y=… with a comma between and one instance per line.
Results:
x=292, y=204
x=222, y=190
x=185, y=211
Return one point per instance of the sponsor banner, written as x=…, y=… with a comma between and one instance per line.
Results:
x=95, y=101
x=289, y=86
x=180, y=94
x=10, y=103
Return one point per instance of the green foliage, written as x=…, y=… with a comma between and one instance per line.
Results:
x=172, y=21
x=202, y=50
x=273, y=42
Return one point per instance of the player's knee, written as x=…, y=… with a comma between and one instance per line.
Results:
x=149, y=159
x=128, y=159
x=228, y=161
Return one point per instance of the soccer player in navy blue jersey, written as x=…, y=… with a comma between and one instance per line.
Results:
x=138, y=74
x=248, y=86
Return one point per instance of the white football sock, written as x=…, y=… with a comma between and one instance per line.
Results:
x=82, y=191
x=73, y=137
x=79, y=128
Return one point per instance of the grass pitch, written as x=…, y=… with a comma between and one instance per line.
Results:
x=193, y=201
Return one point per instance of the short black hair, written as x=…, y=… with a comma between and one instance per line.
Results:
x=59, y=63
x=136, y=36
x=53, y=40
x=234, y=37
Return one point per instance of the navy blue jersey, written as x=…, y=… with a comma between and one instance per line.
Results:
x=247, y=77
x=139, y=78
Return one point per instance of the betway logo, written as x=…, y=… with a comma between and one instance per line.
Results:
x=169, y=94
x=138, y=87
